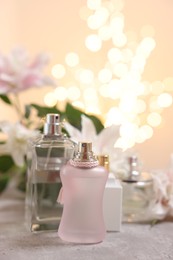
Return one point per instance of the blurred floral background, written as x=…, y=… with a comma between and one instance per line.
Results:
x=114, y=51
x=19, y=72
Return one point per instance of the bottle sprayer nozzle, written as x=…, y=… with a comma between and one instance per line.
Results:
x=52, y=125
x=52, y=118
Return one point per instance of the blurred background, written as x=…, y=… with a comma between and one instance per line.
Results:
x=61, y=28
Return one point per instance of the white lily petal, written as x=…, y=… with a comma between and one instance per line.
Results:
x=5, y=126
x=102, y=143
x=160, y=182
x=16, y=144
x=116, y=160
x=74, y=133
x=106, y=139
x=88, y=129
x=18, y=158
x=159, y=211
x=4, y=149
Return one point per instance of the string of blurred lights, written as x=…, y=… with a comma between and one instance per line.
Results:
x=130, y=102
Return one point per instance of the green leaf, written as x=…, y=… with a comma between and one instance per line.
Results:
x=23, y=178
x=6, y=163
x=42, y=110
x=27, y=111
x=98, y=124
x=4, y=179
x=154, y=222
x=73, y=116
x=6, y=99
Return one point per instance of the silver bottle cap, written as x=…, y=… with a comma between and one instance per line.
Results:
x=134, y=167
x=134, y=174
x=84, y=152
x=52, y=125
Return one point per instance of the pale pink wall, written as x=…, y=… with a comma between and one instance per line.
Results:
x=55, y=26
x=157, y=13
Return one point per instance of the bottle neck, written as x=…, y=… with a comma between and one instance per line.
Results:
x=84, y=157
x=54, y=137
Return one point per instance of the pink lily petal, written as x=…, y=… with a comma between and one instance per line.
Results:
x=18, y=74
x=40, y=61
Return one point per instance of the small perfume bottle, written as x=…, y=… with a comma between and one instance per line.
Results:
x=47, y=154
x=137, y=193
x=112, y=199
x=83, y=187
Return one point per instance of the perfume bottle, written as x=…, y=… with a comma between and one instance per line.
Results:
x=83, y=187
x=137, y=193
x=112, y=199
x=46, y=155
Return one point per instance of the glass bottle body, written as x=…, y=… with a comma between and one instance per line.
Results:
x=82, y=220
x=47, y=155
x=137, y=199
x=137, y=191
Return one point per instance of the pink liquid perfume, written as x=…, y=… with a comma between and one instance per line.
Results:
x=83, y=183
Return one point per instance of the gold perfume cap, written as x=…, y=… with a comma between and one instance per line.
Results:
x=84, y=152
x=104, y=161
x=84, y=147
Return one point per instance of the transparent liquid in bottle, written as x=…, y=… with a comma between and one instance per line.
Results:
x=46, y=155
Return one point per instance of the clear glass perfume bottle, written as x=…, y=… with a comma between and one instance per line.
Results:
x=83, y=187
x=46, y=155
x=137, y=193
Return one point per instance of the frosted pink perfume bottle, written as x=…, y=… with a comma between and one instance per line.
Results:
x=83, y=183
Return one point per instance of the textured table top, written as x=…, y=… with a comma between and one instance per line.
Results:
x=135, y=241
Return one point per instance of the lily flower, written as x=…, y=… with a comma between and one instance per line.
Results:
x=16, y=144
x=17, y=73
x=163, y=189
x=102, y=143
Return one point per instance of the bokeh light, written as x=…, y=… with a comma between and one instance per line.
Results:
x=58, y=71
x=72, y=59
x=164, y=100
x=50, y=99
x=116, y=90
x=154, y=119
x=105, y=75
x=73, y=93
x=93, y=43
x=60, y=93
x=85, y=76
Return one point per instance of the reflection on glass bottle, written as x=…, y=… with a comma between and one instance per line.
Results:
x=137, y=193
x=46, y=155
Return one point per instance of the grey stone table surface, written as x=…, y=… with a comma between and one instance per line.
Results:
x=135, y=241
